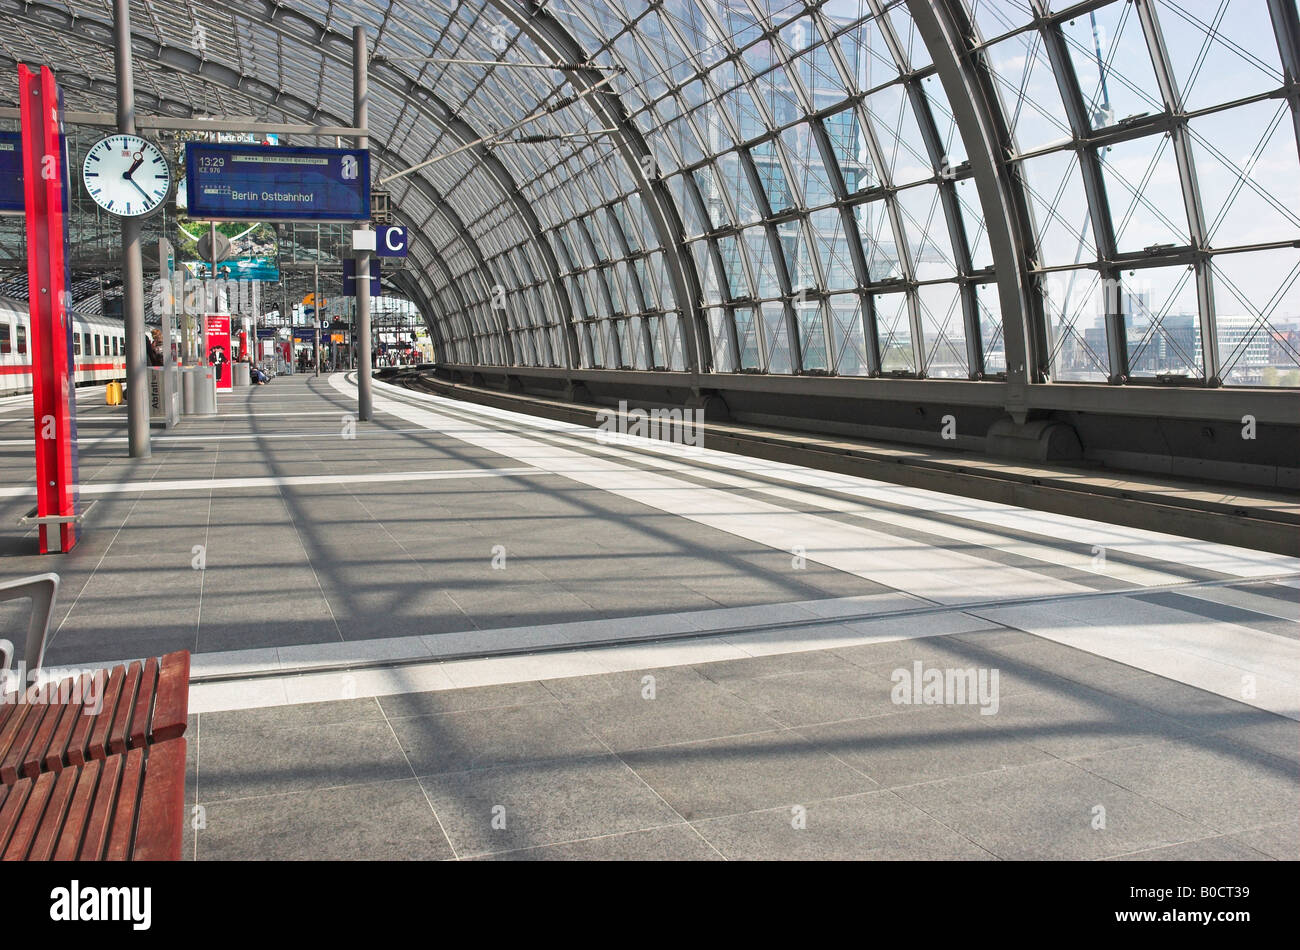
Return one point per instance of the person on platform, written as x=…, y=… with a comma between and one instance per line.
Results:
x=217, y=357
x=153, y=352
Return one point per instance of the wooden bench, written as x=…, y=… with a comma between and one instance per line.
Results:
x=124, y=807
x=92, y=768
x=61, y=725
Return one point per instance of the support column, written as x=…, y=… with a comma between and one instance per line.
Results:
x=211, y=293
x=137, y=366
x=361, y=120
x=319, y=314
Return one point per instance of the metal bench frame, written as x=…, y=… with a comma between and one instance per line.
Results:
x=42, y=590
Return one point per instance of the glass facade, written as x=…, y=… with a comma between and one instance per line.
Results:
x=1100, y=192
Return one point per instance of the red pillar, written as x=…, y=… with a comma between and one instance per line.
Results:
x=45, y=186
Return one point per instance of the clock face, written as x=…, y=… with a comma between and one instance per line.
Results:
x=127, y=176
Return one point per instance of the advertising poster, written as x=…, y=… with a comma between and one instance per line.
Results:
x=219, y=351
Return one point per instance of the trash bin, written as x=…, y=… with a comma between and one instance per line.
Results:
x=113, y=394
x=205, y=391
x=241, y=377
x=188, y=376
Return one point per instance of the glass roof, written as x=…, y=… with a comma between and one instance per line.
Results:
x=790, y=187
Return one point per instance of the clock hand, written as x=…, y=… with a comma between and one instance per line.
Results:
x=139, y=189
x=139, y=160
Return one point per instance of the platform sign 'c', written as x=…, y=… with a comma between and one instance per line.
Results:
x=392, y=241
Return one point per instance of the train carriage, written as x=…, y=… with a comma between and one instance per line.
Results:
x=98, y=348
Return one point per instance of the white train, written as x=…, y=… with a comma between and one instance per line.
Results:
x=98, y=347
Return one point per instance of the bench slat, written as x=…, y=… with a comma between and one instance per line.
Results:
x=128, y=805
x=13, y=760
x=125, y=707
x=101, y=814
x=8, y=706
x=74, y=829
x=47, y=834
x=172, y=704
x=35, y=755
x=11, y=808
x=13, y=725
x=139, y=732
x=160, y=830
x=25, y=829
x=56, y=754
x=79, y=747
x=104, y=721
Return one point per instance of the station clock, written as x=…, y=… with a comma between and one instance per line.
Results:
x=127, y=175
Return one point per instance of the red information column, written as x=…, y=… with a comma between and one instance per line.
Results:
x=45, y=184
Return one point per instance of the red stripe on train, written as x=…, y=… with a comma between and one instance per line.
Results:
x=26, y=369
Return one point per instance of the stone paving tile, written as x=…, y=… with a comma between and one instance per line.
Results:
x=384, y=821
x=507, y=809
x=876, y=826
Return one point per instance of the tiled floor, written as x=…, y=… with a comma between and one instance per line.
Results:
x=792, y=756
x=1147, y=694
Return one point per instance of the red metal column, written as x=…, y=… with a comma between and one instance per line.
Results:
x=45, y=184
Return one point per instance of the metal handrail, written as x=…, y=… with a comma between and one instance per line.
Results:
x=42, y=589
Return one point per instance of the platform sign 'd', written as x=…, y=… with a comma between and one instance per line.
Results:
x=12, y=198
x=219, y=351
x=47, y=199
x=229, y=182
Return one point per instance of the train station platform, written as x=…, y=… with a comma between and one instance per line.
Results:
x=458, y=631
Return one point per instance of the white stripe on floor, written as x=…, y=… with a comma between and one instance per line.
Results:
x=492, y=670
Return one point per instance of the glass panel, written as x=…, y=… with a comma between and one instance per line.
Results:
x=1060, y=209
x=977, y=236
x=1076, y=326
x=850, y=150
x=902, y=150
x=772, y=176
x=810, y=179
x=1249, y=177
x=724, y=360
x=995, y=17
x=894, y=330
x=760, y=255
x=992, y=336
x=878, y=243
x=738, y=282
x=945, y=331
x=778, y=340
x=927, y=232
x=1221, y=51
x=747, y=337
x=1113, y=64
x=1160, y=322
x=812, y=336
x=850, y=348
x=833, y=249
x=1028, y=90
x=1257, y=303
x=798, y=261
x=1142, y=186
